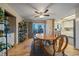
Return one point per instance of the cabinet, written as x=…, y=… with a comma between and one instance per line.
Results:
x=68, y=28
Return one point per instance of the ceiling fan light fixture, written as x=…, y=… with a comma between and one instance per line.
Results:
x=41, y=16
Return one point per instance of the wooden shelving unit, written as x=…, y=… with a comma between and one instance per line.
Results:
x=22, y=31
x=7, y=28
x=25, y=30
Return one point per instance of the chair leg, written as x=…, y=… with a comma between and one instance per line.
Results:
x=63, y=53
x=54, y=48
x=34, y=44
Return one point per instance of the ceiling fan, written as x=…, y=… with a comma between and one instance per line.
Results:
x=43, y=13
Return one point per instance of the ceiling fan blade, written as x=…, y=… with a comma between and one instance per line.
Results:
x=37, y=12
x=49, y=5
x=46, y=15
x=36, y=16
x=29, y=4
x=46, y=11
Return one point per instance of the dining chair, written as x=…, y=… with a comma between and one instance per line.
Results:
x=58, y=47
x=36, y=40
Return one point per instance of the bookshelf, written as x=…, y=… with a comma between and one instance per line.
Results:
x=25, y=31
x=22, y=31
x=7, y=30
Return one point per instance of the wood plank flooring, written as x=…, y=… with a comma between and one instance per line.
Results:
x=27, y=49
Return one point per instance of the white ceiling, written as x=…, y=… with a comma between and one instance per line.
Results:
x=59, y=10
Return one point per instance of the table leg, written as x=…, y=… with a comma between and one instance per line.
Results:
x=54, y=48
x=34, y=43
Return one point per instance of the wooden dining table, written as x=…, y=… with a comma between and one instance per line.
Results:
x=44, y=37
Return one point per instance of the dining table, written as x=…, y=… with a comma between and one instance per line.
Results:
x=45, y=37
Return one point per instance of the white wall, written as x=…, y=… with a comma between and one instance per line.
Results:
x=13, y=12
x=77, y=27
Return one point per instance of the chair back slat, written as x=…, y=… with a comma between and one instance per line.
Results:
x=61, y=43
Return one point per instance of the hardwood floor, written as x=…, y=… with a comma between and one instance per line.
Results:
x=27, y=49
x=22, y=49
x=71, y=51
x=36, y=51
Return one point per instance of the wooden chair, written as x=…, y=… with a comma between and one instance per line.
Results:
x=36, y=42
x=59, y=45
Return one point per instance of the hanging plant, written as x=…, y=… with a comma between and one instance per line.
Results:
x=1, y=14
x=3, y=46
